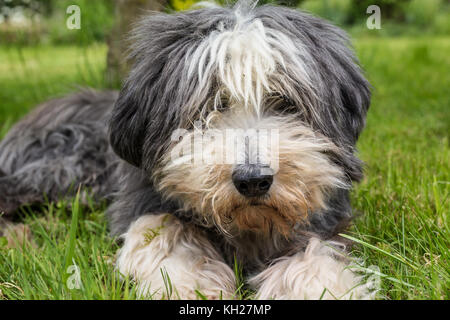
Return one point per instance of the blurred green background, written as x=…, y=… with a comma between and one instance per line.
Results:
x=404, y=198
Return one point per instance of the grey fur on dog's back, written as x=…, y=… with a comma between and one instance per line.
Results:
x=61, y=144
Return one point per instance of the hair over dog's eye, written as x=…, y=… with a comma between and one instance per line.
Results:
x=221, y=105
x=281, y=105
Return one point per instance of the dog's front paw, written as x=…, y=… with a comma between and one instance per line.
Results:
x=320, y=272
x=169, y=260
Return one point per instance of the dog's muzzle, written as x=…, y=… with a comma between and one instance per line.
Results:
x=252, y=180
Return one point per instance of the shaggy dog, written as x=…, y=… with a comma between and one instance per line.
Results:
x=156, y=151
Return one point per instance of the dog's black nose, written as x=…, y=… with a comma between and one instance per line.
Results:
x=252, y=180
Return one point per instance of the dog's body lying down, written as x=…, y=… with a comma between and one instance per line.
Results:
x=59, y=145
x=265, y=68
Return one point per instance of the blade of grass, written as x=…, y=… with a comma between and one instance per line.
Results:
x=393, y=256
x=72, y=234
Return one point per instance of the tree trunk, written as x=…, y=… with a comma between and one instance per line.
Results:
x=127, y=13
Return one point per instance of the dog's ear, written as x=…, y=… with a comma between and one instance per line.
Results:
x=143, y=107
x=345, y=92
x=126, y=128
x=150, y=104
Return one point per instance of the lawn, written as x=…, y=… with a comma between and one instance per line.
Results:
x=402, y=204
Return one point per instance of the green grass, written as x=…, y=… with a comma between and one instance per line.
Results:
x=402, y=204
x=404, y=197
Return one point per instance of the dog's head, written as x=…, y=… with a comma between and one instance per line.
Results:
x=247, y=117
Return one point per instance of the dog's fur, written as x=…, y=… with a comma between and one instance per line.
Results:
x=243, y=67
